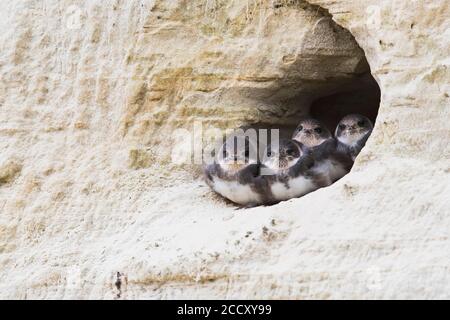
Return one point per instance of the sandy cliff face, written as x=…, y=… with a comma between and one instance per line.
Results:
x=92, y=93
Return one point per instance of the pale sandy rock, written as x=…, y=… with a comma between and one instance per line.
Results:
x=92, y=92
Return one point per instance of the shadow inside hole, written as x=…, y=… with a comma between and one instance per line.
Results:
x=328, y=78
x=363, y=98
x=361, y=95
x=340, y=84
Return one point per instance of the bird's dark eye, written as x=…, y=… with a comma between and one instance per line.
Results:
x=290, y=152
x=361, y=123
x=300, y=128
x=342, y=126
x=225, y=154
x=318, y=130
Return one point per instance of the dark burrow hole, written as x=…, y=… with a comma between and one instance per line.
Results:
x=329, y=79
x=361, y=97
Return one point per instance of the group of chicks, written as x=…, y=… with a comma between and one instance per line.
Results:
x=312, y=159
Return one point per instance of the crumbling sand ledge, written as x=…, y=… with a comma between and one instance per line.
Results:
x=84, y=113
